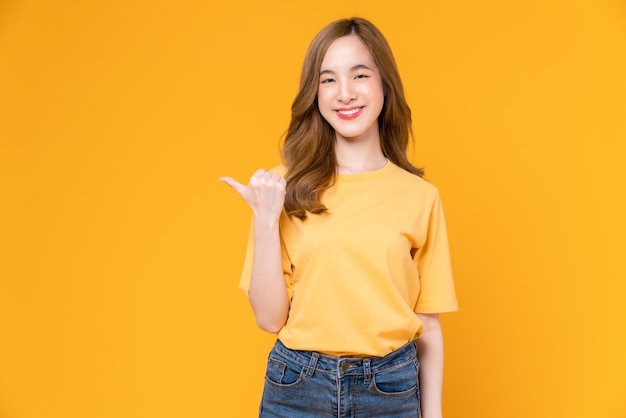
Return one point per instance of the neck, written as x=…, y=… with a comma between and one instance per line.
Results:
x=359, y=157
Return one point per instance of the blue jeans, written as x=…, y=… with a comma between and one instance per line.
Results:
x=303, y=384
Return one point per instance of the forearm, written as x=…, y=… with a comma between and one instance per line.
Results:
x=430, y=354
x=265, y=194
x=268, y=293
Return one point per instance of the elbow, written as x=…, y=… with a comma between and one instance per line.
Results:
x=271, y=322
x=270, y=319
x=271, y=326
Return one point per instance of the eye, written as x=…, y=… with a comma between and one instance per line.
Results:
x=326, y=80
x=362, y=76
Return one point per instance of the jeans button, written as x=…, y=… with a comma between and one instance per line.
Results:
x=344, y=367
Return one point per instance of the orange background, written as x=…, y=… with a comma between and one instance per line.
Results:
x=120, y=251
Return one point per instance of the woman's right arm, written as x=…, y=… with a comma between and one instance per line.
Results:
x=265, y=194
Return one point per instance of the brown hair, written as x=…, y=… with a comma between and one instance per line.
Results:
x=309, y=149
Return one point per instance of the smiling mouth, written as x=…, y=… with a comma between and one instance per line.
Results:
x=349, y=113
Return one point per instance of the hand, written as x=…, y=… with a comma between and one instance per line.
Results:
x=265, y=194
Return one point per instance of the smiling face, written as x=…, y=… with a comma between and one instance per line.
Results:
x=350, y=94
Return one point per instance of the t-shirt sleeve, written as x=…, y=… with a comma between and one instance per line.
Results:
x=244, y=281
x=437, y=293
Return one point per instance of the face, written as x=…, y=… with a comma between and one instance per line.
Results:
x=350, y=92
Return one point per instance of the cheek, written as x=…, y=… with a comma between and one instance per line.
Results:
x=378, y=91
x=322, y=96
x=323, y=100
x=379, y=95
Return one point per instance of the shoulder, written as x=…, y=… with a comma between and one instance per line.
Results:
x=414, y=183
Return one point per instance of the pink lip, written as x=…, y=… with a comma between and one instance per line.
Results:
x=350, y=116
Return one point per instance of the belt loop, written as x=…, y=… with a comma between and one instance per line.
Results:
x=367, y=371
x=312, y=364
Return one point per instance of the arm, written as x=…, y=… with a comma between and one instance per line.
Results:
x=430, y=353
x=265, y=194
x=268, y=293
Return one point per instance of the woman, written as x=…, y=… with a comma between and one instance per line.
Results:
x=348, y=258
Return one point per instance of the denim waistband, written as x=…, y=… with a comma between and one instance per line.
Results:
x=348, y=365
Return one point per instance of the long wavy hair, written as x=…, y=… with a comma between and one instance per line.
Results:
x=308, y=151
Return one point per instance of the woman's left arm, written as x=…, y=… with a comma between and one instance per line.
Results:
x=430, y=354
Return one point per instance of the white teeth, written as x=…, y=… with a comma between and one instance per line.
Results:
x=349, y=112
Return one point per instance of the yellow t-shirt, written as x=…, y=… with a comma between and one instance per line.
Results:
x=357, y=274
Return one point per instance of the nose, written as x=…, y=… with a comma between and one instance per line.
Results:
x=346, y=93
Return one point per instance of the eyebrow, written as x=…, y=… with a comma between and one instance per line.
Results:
x=356, y=67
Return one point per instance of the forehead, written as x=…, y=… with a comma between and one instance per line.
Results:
x=347, y=52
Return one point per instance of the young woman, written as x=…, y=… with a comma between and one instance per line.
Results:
x=348, y=259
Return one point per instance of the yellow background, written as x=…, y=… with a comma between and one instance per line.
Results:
x=120, y=250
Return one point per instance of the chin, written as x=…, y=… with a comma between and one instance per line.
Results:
x=348, y=136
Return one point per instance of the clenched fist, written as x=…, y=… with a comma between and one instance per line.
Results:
x=265, y=194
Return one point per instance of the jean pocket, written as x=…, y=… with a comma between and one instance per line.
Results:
x=399, y=381
x=282, y=373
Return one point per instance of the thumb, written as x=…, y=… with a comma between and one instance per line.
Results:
x=239, y=188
